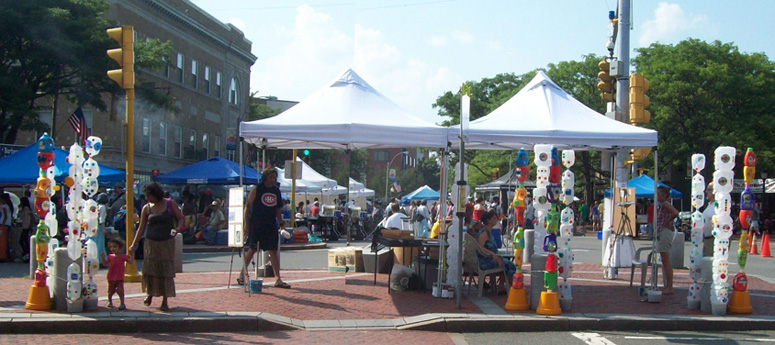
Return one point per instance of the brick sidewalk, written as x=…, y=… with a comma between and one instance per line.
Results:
x=322, y=295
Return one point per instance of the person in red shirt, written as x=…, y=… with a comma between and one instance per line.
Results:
x=315, y=210
x=115, y=262
x=469, y=211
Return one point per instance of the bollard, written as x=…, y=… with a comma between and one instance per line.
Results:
x=677, y=251
x=530, y=236
x=537, y=269
x=33, y=260
x=178, y=263
x=59, y=285
x=706, y=279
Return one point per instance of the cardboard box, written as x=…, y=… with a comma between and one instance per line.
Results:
x=404, y=255
x=382, y=257
x=398, y=234
x=339, y=258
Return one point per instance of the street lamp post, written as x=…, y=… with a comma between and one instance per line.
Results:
x=387, y=171
x=764, y=197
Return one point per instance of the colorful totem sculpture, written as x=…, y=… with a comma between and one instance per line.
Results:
x=517, y=295
x=546, y=195
x=741, y=301
x=39, y=297
x=565, y=256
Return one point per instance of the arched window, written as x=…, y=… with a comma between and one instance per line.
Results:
x=233, y=92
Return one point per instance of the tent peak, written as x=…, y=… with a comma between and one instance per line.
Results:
x=349, y=77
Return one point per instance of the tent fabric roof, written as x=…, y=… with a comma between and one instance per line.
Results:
x=346, y=114
x=644, y=188
x=22, y=167
x=312, y=176
x=422, y=193
x=302, y=185
x=543, y=113
x=215, y=170
x=505, y=182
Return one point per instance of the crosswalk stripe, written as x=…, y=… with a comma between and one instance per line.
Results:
x=593, y=338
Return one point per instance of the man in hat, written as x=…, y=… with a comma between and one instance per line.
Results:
x=262, y=219
x=217, y=222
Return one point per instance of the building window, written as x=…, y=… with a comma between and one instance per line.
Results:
x=146, y=135
x=163, y=138
x=191, y=150
x=218, y=84
x=45, y=116
x=194, y=71
x=180, y=68
x=216, y=146
x=178, y=141
x=207, y=80
x=381, y=156
x=233, y=92
x=205, y=146
x=166, y=68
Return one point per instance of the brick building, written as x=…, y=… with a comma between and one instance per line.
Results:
x=208, y=74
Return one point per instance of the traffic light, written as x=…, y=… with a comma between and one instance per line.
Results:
x=638, y=99
x=125, y=56
x=606, y=83
x=639, y=154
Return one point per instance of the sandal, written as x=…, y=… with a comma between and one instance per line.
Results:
x=164, y=307
x=122, y=307
x=147, y=301
x=282, y=285
x=240, y=281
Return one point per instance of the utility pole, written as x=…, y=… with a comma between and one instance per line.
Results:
x=623, y=82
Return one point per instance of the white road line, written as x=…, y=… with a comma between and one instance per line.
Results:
x=702, y=339
x=593, y=339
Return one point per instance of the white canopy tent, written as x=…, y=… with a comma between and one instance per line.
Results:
x=543, y=113
x=346, y=114
x=311, y=175
x=302, y=186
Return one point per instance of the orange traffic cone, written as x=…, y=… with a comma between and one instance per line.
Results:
x=754, y=250
x=766, y=246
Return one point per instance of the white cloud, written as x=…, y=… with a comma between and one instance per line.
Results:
x=438, y=41
x=494, y=45
x=315, y=53
x=462, y=36
x=669, y=23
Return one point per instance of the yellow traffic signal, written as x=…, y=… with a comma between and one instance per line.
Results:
x=605, y=85
x=638, y=99
x=639, y=154
x=125, y=56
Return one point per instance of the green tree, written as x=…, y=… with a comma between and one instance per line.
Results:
x=705, y=95
x=52, y=48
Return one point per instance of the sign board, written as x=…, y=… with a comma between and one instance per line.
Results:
x=236, y=200
x=769, y=185
x=288, y=169
x=756, y=187
x=624, y=212
x=196, y=181
x=392, y=174
x=231, y=139
x=7, y=149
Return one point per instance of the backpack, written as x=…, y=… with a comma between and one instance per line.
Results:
x=119, y=221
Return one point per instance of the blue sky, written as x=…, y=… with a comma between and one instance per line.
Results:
x=413, y=51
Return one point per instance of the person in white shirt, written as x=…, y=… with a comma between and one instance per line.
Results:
x=395, y=221
x=707, y=229
x=423, y=217
x=307, y=209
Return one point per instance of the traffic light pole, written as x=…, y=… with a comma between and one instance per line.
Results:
x=623, y=82
x=130, y=273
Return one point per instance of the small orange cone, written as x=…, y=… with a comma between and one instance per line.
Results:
x=766, y=246
x=549, y=304
x=754, y=250
x=517, y=300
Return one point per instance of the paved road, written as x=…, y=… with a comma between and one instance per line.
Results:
x=619, y=338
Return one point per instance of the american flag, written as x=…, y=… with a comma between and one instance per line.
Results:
x=397, y=186
x=78, y=122
x=249, y=157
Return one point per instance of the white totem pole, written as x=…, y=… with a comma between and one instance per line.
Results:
x=723, y=179
x=698, y=222
x=566, y=229
x=541, y=202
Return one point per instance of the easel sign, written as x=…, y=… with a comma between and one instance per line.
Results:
x=624, y=212
x=236, y=201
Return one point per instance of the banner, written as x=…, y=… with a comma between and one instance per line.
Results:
x=757, y=186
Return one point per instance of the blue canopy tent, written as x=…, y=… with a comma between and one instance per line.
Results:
x=644, y=188
x=215, y=170
x=22, y=167
x=422, y=193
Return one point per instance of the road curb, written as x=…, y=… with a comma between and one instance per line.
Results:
x=195, y=248
x=455, y=323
